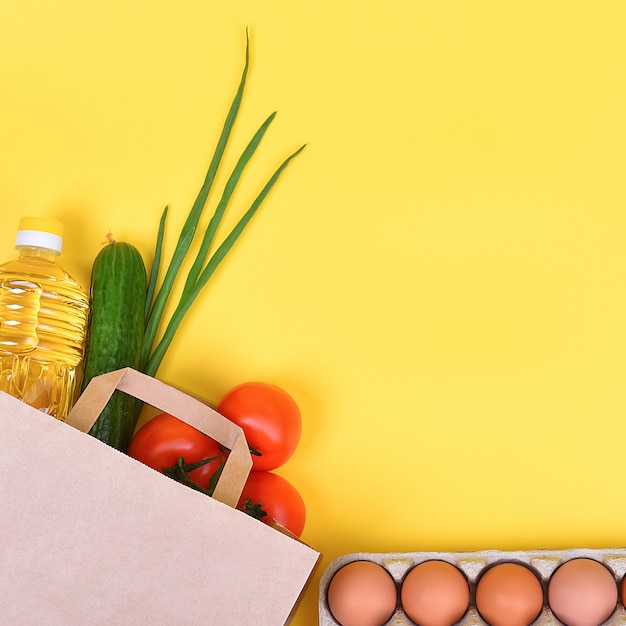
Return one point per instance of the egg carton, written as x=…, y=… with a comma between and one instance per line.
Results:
x=472, y=564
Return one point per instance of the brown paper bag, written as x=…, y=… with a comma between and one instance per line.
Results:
x=91, y=536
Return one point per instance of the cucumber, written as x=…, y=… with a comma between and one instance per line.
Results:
x=115, y=334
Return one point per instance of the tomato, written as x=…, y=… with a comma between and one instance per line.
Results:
x=162, y=440
x=270, y=419
x=278, y=498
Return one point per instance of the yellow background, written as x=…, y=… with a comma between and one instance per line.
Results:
x=439, y=279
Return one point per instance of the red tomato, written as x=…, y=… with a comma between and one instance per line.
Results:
x=278, y=498
x=270, y=419
x=159, y=443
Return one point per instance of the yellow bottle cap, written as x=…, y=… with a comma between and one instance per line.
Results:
x=40, y=232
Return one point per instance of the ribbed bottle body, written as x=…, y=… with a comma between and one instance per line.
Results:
x=43, y=319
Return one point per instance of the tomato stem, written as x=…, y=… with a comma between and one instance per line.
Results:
x=179, y=473
x=189, y=467
x=252, y=509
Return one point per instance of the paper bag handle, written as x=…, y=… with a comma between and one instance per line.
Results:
x=161, y=396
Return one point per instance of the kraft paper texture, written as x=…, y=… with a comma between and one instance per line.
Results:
x=91, y=536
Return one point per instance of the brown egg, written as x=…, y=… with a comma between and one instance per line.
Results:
x=582, y=592
x=362, y=593
x=509, y=594
x=435, y=593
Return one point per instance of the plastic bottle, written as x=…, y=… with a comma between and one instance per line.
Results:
x=43, y=320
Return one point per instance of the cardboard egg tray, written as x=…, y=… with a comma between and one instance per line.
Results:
x=472, y=564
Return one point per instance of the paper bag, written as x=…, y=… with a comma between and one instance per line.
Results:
x=91, y=536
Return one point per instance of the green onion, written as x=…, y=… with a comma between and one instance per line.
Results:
x=201, y=270
x=154, y=272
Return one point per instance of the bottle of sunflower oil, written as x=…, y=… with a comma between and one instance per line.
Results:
x=43, y=320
